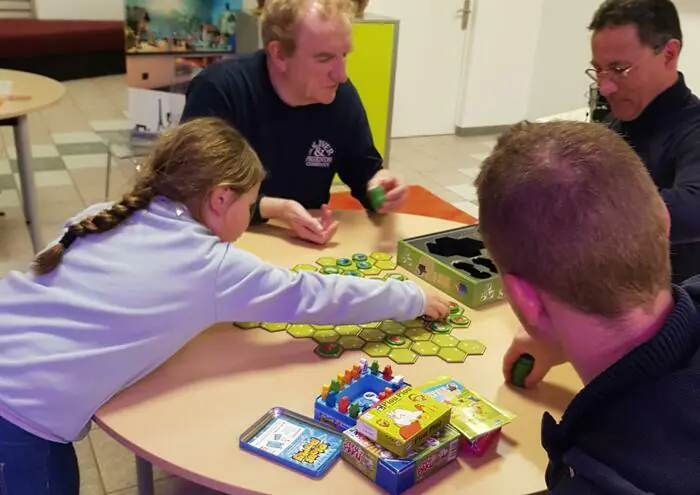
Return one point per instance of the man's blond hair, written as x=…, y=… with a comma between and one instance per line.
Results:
x=280, y=18
x=570, y=208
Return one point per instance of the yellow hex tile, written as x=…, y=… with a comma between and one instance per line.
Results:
x=369, y=272
x=392, y=328
x=372, y=335
x=472, y=347
x=418, y=334
x=300, y=331
x=445, y=340
x=247, y=325
x=452, y=355
x=372, y=324
x=377, y=349
x=380, y=256
x=325, y=336
x=323, y=327
x=403, y=356
x=275, y=327
x=309, y=268
x=425, y=348
x=325, y=261
x=347, y=330
x=417, y=323
x=385, y=265
x=351, y=342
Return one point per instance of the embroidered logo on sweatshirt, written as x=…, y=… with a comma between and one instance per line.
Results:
x=320, y=154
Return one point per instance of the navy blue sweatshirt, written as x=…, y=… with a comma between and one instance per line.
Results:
x=666, y=136
x=302, y=148
x=635, y=428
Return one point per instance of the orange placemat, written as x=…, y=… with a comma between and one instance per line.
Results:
x=420, y=201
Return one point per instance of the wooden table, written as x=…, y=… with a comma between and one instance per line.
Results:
x=186, y=417
x=42, y=92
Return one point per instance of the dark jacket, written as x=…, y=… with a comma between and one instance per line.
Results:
x=635, y=428
x=666, y=136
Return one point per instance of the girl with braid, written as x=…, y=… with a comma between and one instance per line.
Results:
x=130, y=283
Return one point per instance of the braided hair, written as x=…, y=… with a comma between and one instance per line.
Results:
x=185, y=164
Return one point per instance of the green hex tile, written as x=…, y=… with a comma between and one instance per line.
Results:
x=353, y=273
x=370, y=272
x=372, y=335
x=326, y=261
x=351, y=342
x=331, y=270
x=392, y=328
x=309, y=268
x=275, y=327
x=380, y=256
x=300, y=331
x=403, y=356
x=425, y=348
x=376, y=349
x=417, y=323
x=372, y=324
x=418, y=334
x=472, y=347
x=395, y=276
x=329, y=350
x=445, y=340
x=455, y=309
x=323, y=327
x=397, y=342
x=386, y=265
x=439, y=327
x=344, y=330
x=360, y=257
x=247, y=325
x=459, y=321
x=325, y=336
x=452, y=355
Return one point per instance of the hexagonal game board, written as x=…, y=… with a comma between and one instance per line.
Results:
x=404, y=342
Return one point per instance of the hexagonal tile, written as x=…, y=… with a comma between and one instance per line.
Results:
x=425, y=348
x=438, y=327
x=323, y=327
x=472, y=347
x=403, y=356
x=445, y=340
x=373, y=270
x=275, y=327
x=331, y=270
x=371, y=324
x=329, y=350
x=385, y=265
x=310, y=268
x=397, y=342
x=417, y=323
x=418, y=334
x=300, y=331
x=396, y=276
x=380, y=256
x=372, y=335
x=459, y=321
x=452, y=355
x=325, y=336
x=455, y=309
x=377, y=349
x=347, y=330
x=353, y=273
x=345, y=264
x=392, y=328
x=247, y=325
x=351, y=342
x=326, y=261
x=360, y=257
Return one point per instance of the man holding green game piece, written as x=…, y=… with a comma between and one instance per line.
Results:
x=590, y=281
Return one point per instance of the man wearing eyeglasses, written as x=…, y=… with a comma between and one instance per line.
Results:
x=636, y=45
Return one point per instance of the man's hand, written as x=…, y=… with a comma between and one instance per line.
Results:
x=546, y=357
x=304, y=224
x=395, y=190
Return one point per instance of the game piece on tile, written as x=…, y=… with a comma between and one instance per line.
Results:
x=521, y=368
x=343, y=404
x=377, y=197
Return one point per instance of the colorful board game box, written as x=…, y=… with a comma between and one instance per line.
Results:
x=479, y=420
x=396, y=475
x=293, y=440
x=354, y=391
x=403, y=420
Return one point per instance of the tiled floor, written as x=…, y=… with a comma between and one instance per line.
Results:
x=69, y=159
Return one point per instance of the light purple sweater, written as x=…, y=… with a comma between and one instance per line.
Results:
x=121, y=303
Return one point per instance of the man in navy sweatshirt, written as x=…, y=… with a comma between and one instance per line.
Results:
x=636, y=45
x=296, y=106
x=579, y=232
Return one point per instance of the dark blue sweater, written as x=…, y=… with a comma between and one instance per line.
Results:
x=302, y=148
x=666, y=136
x=635, y=428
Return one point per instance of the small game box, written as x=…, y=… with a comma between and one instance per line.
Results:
x=456, y=262
x=477, y=419
x=294, y=441
x=403, y=420
x=396, y=475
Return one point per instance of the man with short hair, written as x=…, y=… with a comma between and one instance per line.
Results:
x=294, y=103
x=636, y=45
x=579, y=233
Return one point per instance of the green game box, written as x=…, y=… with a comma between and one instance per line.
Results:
x=394, y=474
x=404, y=420
x=455, y=262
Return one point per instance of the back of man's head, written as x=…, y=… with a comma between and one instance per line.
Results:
x=657, y=21
x=569, y=208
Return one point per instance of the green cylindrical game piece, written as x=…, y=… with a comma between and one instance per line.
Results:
x=377, y=197
x=521, y=368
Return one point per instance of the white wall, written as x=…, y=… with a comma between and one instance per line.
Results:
x=102, y=10
x=690, y=56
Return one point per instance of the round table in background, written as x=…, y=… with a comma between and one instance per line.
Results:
x=187, y=416
x=42, y=92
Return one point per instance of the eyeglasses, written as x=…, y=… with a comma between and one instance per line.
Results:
x=619, y=73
